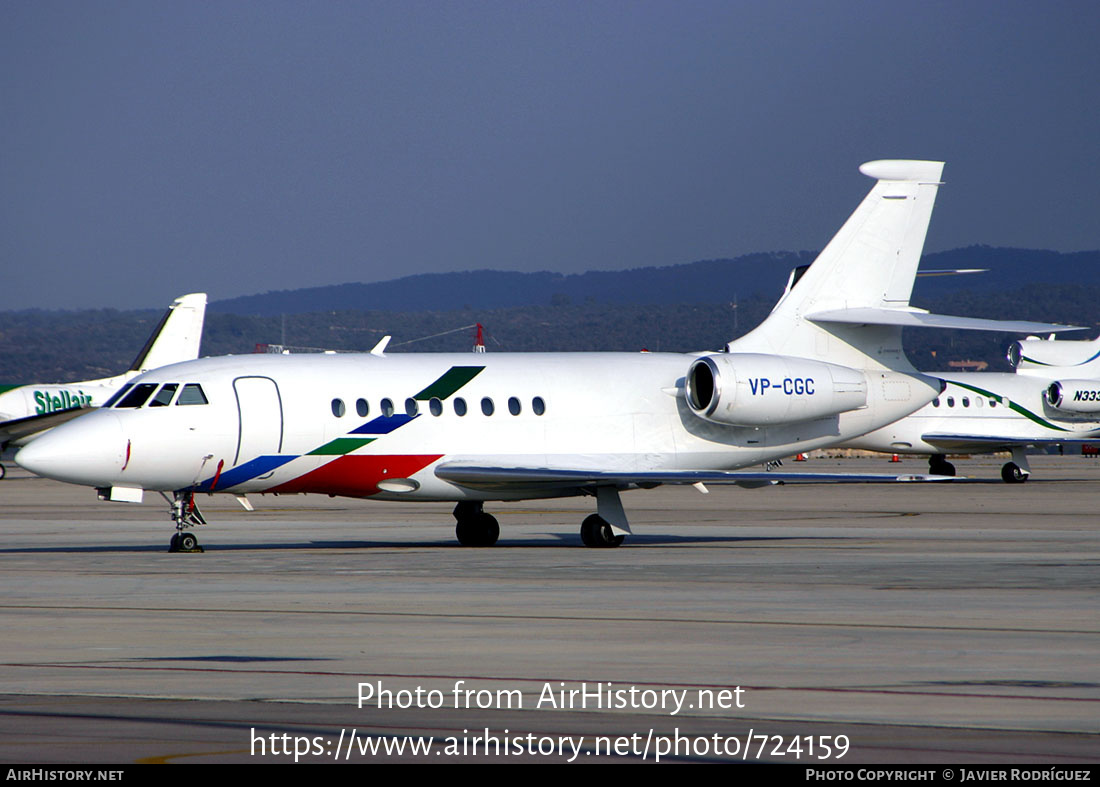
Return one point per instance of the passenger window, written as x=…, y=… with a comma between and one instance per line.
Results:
x=978, y=402
x=513, y=405
x=338, y=408
x=936, y=402
x=966, y=401
x=992, y=402
x=387, y=407
x=192, y=394
x=460, y=406
x=538, y=405
x=362, y=408
x=435, y=406
x=412, y=407
x=487, y=406
x=137, y=397
x=951, y=401
x=118, y=395
x=164, y=395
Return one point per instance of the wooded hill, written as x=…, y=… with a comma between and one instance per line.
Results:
x=47, y=346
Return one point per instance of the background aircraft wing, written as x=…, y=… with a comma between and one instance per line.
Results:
x=505, y=478
x=18, y=428
x=960, y=442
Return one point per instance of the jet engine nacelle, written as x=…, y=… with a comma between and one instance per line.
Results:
x=1074, y=396
x=1036, y=353
x=747, y=389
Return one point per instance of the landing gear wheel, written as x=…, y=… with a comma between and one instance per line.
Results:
x=481, y=530
x=595, y=532
x=1012, y=474
x=184, y=542
x=938, y=465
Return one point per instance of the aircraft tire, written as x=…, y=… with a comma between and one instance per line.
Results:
x=595, y=532
x=1012, y=474
x=188, y=542
x=482, y=530
x=940, y=467
x=174, y=543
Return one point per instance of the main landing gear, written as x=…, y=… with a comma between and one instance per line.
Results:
x=1018, y=470
x=606, y=528
x=185, y=514
x=474, y=527
x=595, y=532
x=938, y=465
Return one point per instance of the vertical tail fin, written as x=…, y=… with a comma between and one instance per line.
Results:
x=177, y=336
x=870, y=263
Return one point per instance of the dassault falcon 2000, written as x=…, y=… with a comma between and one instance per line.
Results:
x=1053, y=399
x=27, y=410
x=825, y=366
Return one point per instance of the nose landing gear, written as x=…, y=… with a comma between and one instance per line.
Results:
x=185, y=513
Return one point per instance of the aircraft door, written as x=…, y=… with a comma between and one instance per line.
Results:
x=261, y=418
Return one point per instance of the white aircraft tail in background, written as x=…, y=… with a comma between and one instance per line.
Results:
x=28, y=410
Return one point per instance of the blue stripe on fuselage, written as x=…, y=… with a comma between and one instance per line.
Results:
x=383, y=424
x=246, y=472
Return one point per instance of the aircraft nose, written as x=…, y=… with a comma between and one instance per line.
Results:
x=89, y=450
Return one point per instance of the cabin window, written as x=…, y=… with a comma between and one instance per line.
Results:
x=460, y=406
x=951, y=401
x=966, y=401
x=978, y=402
x=338, y=408
x=487, y=406
x=192, y=393
x=118, y=395
x=435, y=406
x=387, y=407
x=936, y=402
x=513, y=405
x=412, y=407
x=992, y=402
x=538, y=405
x=137, y=397
x=164, y=395
x=362, y=408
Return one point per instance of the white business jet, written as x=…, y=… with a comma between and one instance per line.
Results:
x=28, y=410
x=825, y=366
x=1052, y=399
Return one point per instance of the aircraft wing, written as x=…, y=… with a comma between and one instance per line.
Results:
x=952, y=442
x=18, y=428
x=504, y=478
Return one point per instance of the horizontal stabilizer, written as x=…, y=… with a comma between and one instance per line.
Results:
x=911, y=318
x=502, y=478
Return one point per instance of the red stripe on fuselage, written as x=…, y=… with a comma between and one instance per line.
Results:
x=355, y=476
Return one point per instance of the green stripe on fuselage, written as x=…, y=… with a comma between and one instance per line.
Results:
x=1012, y=405
x=5, y=388
x=455, y=378
x=341, y=446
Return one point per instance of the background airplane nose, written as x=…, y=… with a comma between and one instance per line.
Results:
x=88, y=450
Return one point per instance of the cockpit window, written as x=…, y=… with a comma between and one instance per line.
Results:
x=118, y=395
x=192, y=394
x=137, y=396
x=164, y=395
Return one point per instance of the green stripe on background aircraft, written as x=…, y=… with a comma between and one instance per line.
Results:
x=825, y=366
x=28, y=410
x=1052, y=399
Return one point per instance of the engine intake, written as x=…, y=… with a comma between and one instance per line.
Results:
x=747, y=389
x=1074, y=396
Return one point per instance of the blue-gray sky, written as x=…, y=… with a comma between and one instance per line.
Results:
x=149, y=149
